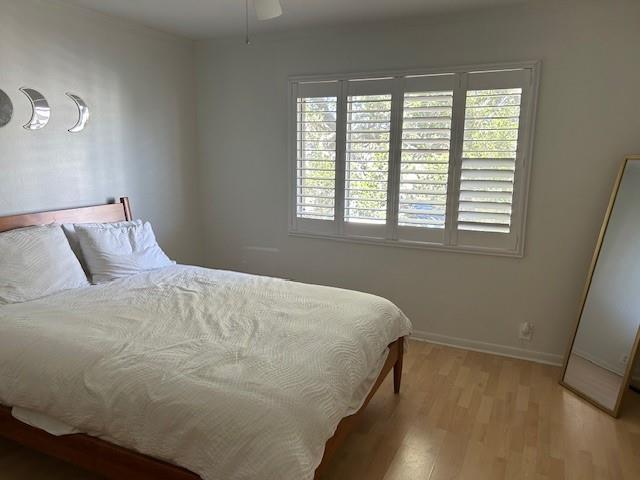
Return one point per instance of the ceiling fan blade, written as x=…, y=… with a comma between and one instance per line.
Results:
x=267, y=9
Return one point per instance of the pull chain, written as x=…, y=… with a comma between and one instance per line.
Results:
x=246, y=19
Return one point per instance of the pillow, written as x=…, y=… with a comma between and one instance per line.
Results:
x=74, y=243
x=116, y=250
x=36, y=262
x=70, y=231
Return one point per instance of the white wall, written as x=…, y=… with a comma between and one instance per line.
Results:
x=588, y=119
x=141, y=137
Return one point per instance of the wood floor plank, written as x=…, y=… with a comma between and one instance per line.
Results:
x=460, y=416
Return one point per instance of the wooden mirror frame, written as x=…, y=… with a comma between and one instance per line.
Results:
x=614, y=412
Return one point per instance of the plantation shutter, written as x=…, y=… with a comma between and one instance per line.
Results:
x=493, y=144
x=316, y=155
x=367, y=157
x=424, y=163
x=439, y=159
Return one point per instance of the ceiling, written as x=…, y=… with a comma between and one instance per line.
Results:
x=214, y=18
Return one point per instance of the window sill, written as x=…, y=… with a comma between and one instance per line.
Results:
x=414, y=245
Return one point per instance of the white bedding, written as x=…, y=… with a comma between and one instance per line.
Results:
x=229, y=375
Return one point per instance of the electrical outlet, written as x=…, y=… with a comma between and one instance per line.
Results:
x=623, y=359
x=526, y=331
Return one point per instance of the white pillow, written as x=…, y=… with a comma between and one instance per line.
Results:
x=36, y=262
x=116, y=250
x=69, y=230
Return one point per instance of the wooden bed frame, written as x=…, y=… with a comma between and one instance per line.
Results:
x=112, y=461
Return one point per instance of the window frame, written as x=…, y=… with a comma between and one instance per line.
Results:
x=497, y=244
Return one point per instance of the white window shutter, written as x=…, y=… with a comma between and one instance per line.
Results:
x=367, y=157
x=316, y=152
x=438, y=159
x=490, y=147
x=425, y=150
x=492, y=170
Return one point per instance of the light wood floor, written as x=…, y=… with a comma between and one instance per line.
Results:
x=461, y=415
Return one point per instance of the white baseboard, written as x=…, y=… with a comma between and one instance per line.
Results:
x=493, y=348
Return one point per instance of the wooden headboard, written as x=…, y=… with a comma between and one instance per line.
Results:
x=110, y=212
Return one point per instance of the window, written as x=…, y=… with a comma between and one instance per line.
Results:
x=423, y=159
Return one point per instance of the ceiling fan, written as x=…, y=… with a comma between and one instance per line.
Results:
x=265, y=10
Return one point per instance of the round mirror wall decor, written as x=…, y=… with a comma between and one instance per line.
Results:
x=6, y=108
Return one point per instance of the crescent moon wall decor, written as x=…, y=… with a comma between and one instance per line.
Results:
x=6, y=109
x=83, y=113
x=41, y=111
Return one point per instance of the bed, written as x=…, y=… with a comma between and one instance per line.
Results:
x=302, y=344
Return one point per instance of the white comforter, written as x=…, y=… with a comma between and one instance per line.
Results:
x=229, y=375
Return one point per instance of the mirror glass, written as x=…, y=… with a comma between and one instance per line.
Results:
x=83, y=113
x=603, y=346
x=41, y=111
x=6, y=109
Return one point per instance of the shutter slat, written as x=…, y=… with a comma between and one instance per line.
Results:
x=307, y=122
x=366, y=151
x=485, y=186
x=421, y=182
x=365, y=122
x=422, y=192
x=358, y=208
x=489, y=175
x=427, y=118
x=494, y=93
x=484, y=227
x=368, y=130
x=302, y=196
x=485, y=217
x=488, y=207
x=439, y=131
x=424, y=150
x=379, y=190
x=430, y=201
x=368, y=111
x=404, y=170
x=437, y=108
x=488, y=164
x=317, y=188
x=429, y=98
x=427, y=203
x=422, y=162
x=477, y=196
x=434, y=221
x=421, y=211
x=364, y=162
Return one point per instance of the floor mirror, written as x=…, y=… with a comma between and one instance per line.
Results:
x=601, y=356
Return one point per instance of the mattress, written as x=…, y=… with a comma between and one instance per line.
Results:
x=232, y=376
x=57, y=428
